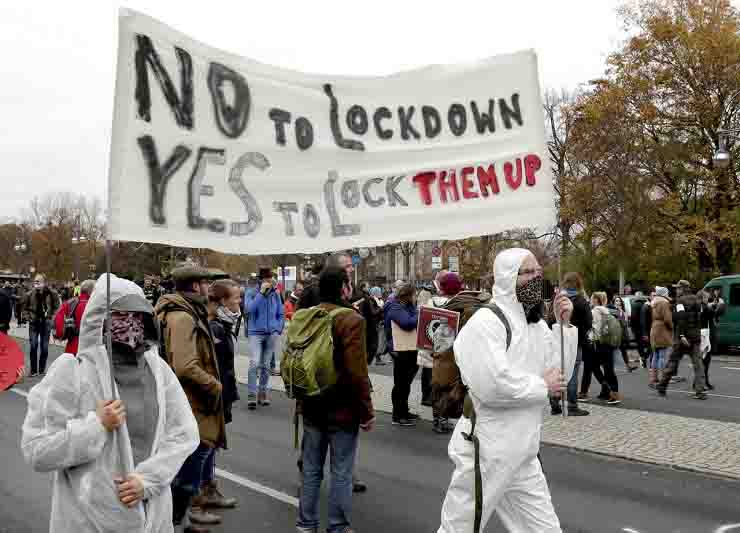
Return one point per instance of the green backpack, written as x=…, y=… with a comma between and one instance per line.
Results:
x=307, y=365
x=611, y=331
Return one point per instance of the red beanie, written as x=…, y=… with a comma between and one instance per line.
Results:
x=451, y=284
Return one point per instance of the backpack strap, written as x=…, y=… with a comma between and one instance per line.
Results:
x=73, y=303
x=469, y=412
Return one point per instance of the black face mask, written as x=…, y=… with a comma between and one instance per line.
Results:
x=530, y=295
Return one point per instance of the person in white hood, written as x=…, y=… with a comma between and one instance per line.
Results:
x=509, y=390
x=112, y=462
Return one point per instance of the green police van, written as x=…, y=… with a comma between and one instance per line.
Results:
x=729, y=323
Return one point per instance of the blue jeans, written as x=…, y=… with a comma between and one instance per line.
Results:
x=342, y=444
x=195, y=470
x=261, y=349
x=38, y=336
x=660, y=358
x=573, y=383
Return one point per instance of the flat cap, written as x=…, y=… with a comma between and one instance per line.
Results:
x=682, y=284
x=189, y=271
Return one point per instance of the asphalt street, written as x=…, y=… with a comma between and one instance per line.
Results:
x=407, y=471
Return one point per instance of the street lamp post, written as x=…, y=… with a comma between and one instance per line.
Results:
x=721, y=158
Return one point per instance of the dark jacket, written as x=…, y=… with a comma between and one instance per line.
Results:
x=41, y=304
x=349, y=403
x=192, y=355
x=687, y=317
x=373, y=314
x=646, y=319
x=62, y=314
x=406, y=316
x=635, y=319
x=6, y=311
x=224, y=338
x=310, y=296
x=581, y=318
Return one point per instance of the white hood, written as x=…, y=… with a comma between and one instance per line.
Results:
x=505, y=272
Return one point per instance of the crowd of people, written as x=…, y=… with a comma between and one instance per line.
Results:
x=174, y=382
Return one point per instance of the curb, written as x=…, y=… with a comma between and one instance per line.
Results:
x=624, y=457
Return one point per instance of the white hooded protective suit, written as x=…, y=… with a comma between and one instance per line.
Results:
x=509, y=395
x=62, y=434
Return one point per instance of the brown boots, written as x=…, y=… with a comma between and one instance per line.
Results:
x=210, y=497
x=213, y=498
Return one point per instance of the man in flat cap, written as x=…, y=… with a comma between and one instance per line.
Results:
x=190, y=351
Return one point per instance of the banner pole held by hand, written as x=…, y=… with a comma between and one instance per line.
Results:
x=562, y=338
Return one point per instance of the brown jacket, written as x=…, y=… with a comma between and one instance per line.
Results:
x=192, y=355
x=661, y=332
x=349, y=403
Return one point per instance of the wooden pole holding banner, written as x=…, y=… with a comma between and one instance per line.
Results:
x=109, y=350
x=562, y=338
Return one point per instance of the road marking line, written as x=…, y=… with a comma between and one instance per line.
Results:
x=731, y=367
x=21, y=392
x=728, y=527
x=708, y=394
x=281, y=496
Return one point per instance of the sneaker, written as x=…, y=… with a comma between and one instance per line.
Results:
x=613, y=401
x=300, y=529
x=251, y=402
x=710, y=387
x=699, y=396
x=358, y=487
x=583, y=397
x=443, y=427
x=404, y=422
x=33, y=374
x=263, y=398
x=556, y=411
x=652, y=386
x=577, y=411
x=412, y=416
x=677, y=379
x=661, y=392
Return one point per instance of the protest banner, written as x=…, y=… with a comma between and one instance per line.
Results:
x=214, y=150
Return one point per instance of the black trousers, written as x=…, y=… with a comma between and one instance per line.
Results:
x=426, y=385
x=606, y=360
x=404, y=372
x=591, y=368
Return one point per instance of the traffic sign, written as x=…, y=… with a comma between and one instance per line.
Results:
x=364, y=253
x=437, y=263
x=437, y=251
x=454, y=264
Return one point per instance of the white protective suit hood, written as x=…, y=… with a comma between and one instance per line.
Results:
x=505, y=272
x=62, y=434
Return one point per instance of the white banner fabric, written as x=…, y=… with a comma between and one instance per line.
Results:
x=213, y=150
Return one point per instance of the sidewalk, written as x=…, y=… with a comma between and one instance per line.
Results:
x=705, y=446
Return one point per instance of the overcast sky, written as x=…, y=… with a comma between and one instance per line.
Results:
x=58, y=61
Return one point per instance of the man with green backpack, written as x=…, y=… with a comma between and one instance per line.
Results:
x=324, y=369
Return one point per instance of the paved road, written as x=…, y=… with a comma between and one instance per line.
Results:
x=407, y=471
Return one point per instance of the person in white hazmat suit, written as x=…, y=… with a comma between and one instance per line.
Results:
x=70, y=426
x=509, y=391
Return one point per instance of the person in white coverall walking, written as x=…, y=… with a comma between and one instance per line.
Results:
x=74, y=430
x=509, y=391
